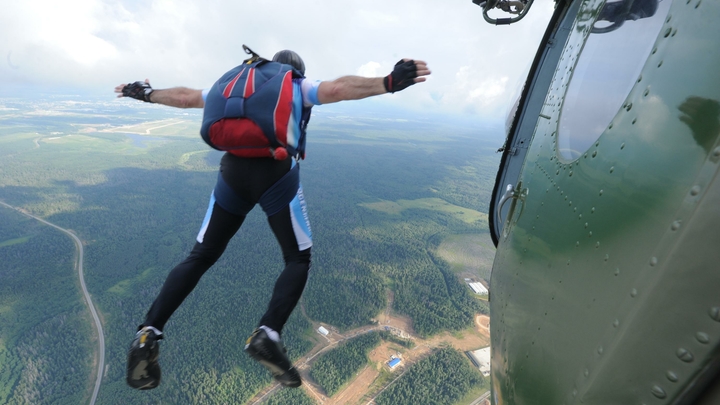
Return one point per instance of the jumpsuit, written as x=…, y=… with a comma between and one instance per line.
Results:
x=242, y=183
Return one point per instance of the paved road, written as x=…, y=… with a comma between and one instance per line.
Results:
x=481, y=399
x=88, y=300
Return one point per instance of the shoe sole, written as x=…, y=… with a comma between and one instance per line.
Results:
x=277, y=371
x=139, y=376
x=140, y=372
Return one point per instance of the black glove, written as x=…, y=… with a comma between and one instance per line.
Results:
x=138, y=90
x=401, y=77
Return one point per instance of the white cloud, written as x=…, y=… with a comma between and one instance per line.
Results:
x=99, y=43
x=473, y=88
x=377, y=17
x=59, y=29
x=370, y=69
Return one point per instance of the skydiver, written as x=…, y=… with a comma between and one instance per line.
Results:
x=248, y=179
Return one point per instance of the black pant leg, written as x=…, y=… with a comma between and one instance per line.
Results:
x=185, y=276
x=291, y=282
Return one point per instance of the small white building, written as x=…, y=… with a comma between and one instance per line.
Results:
x=478, y=288
x=481, y=359
x=323, y=331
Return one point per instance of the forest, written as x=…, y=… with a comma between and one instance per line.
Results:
x=443, y=378
x=337, y=367
x=137, y=201
x=40, y=301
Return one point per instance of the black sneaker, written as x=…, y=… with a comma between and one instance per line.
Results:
x=271, y=354
x=143, y=369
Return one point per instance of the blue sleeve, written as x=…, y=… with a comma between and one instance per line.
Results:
x=309, y=90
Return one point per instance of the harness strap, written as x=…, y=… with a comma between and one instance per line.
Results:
x=280, y=194
x=273, y=200
x=229, y=200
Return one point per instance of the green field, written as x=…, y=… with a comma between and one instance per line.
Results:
x=470, y=254
x=433, y=204
x=15, y=241
x=394, y=205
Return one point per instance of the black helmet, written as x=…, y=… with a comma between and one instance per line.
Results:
x=291, y=58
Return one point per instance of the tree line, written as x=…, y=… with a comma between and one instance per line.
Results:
x=443, y=378
x=138, y=210
x=338, y=366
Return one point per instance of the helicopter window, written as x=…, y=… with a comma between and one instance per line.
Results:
x=608, y=66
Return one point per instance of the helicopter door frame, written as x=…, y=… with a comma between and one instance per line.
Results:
x=530, y=103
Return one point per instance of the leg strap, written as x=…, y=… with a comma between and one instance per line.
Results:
x=280, y=194
x=229, y=200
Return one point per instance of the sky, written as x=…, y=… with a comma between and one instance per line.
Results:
x=93, y=45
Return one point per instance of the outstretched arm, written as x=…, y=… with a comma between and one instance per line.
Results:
x=406, y=73
x=180, y=97
x=350, y=88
